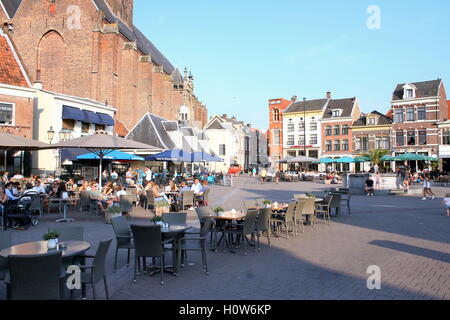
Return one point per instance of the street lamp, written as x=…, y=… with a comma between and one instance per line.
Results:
x=304, y=126
x=51, y=134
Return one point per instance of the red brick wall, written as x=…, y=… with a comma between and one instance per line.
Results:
x=94, y=61
x=333, y=138
x=276, y=125
x=23, y=115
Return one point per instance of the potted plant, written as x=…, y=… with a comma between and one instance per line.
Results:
x=52, y=239
x=162, y=207
x=158, y=220
x=111, y=212
x=310, y=195
x=219, y=211
x=267, y=203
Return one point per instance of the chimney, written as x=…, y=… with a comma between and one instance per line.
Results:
x=329, y=95
x=225, y=116
x=37, y=85
x=294, y=99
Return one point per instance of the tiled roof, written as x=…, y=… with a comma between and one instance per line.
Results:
x=10, y=71
x=346, y=105
x=121, y=129
x=424, y=89
x=382, y=120
x=311, y=105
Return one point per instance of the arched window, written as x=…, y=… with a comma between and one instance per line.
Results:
x=50, y=67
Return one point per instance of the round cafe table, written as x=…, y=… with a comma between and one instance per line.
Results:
x=74, y=248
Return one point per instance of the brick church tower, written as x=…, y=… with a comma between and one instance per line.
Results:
x=91, y=48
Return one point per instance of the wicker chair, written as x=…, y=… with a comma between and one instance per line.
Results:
x=35, y=277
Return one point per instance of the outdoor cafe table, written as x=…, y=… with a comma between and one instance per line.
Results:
x=174, y=230
x=74, y=248
x=224, y=218
x=65, y=206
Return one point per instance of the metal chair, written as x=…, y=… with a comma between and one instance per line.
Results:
x=188, y=199
x=5, y=242
x=324, y=208
x=35, y=277
x=85, y=201
x=178, y=218
x=96, y=268
x=263, y=225
x=54, y=204
x=287, y=219
x=308, y=209
x=248, y=228
x=150, y=201
x=124, y=238
x=203, y=200
x=36, y=204
x=148, y=244
x=69, y=233
x=260, y=202
x=198, y=245
x=250, y=204
x=126, y=203
x=298, y=214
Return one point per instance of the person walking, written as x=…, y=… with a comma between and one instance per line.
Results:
x=427, y=188
x=263, y=175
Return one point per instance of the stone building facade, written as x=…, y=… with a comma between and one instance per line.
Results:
x=90, y=48
x=417, y=109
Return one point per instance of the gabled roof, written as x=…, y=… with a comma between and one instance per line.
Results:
x=170, y=125
x=11, y=6
x=134, y=34
x=423, y=89
x=150, y=130
x=346, y=105
x=382, y=120
x=11, y=70
x=311, y=105
x=216, y=124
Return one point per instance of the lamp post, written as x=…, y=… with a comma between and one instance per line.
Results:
x=304, y=127
x=64, y=135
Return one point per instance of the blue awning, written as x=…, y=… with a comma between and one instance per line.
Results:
x=92, y=117
x=171, y=155
x=71, y=113
x=106, y=119
x=113, y=155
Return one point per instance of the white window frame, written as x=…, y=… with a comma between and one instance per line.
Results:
x=13, y=120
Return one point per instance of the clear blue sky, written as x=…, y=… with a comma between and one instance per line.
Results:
x=243, y=53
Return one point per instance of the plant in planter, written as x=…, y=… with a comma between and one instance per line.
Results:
x=310, y=195
x=158, y=220
x=218, y=210
x=111, y=212
x=267, y=203
x=162, y=207
x=52, y=239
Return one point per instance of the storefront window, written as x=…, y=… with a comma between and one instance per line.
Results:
x=68, y=124
x=85, y=127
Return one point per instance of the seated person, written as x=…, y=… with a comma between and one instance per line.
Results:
x=197, y=187
x=3, y=200
x=109, y=189
x=369, y=187
x=159, y=196
x=95, y=194
x=184, y=187
x=38, y=187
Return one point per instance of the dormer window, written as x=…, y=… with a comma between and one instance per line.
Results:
x=336, y=113
x=371, y=121
x=409, y=91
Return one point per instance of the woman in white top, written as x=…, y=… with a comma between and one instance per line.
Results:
x=427, y=188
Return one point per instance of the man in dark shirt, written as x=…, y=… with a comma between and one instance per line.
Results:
x=370, y=187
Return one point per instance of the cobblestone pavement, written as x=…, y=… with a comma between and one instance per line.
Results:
x=407, y=238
